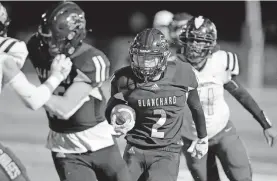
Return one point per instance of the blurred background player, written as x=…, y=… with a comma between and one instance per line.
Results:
x=178, y=21
x=153, y=88
x=216, y=70
x=13, y=55
x=80, y=138
x=161, y=22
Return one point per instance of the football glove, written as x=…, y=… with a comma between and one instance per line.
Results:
x=123, y=118
x=199, y=147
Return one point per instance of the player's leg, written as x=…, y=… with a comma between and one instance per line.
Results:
x=109, y=164
x=134, y=158
x=204, y=169
x=73, y=167
x=233, y=156
x=162, y=165
x=11, y=167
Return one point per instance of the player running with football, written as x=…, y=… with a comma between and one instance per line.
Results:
x=216, y=70
x=13, y=55
x=80, y=138
x=153, y=88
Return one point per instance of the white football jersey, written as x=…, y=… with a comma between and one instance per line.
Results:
x=15, y=48
x=217, y=71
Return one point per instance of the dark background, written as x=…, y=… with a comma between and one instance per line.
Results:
x=110, y=18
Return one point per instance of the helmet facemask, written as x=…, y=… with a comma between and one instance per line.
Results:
x=147, y=66
x=198, y=42
x=196, y=51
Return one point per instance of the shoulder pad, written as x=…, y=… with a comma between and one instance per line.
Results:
x=94, y=64
x=228, y=60
x=187, y=75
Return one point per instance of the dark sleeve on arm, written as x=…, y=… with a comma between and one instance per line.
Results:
x=247, y=101
x=113, y=101
x=197, y=113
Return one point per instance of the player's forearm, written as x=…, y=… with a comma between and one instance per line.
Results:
x=63, y=107
x=197, y=113
x=72, y=100
x=247, y=101
x=34, y=97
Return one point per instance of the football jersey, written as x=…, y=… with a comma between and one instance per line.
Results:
x=15, y=48
x=159, y=105
x=217, y=71
x=89, y=64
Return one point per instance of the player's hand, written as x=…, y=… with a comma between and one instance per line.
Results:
x=270, y=136
x=199, y=147
x=61, y=65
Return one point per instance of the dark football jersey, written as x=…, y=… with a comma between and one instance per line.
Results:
x=159, y=105
x=93, y=64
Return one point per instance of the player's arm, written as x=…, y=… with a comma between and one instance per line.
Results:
x=197, y=112
x=247, y=101
x=115, y=99
x=191, y=83
x=34, y=97
x=74, y=97
x=86, y=83
x=240, y=93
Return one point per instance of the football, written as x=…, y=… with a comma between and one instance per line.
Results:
x=122, y=113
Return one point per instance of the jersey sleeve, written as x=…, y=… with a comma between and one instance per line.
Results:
x=15, y=48
x=93, y=67
x=230, y=65
x=189, y=78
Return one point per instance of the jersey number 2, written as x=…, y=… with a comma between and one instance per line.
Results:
x=161, y=121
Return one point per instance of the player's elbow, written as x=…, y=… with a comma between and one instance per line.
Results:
x=32, y=105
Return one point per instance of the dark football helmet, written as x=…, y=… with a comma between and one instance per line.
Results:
x=63, y=28
x=4, y=21
x=179, y=20
x=148, y=54
x=198, y=39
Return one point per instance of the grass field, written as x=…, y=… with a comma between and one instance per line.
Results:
x=25, y=133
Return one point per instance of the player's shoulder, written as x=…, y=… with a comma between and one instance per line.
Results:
x=92, y=62
x=183, y=73
x=122, y=74
x=8, y=44
x=89, y=58
x=228, y=60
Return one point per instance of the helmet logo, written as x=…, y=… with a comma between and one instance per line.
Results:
x=75, y=20
x=198, y=21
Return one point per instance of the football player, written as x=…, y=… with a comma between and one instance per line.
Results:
x=153, y=88
x=216, y=70
x=13, y=55
x=80, y=138
x=161, y=21
x=178, y=21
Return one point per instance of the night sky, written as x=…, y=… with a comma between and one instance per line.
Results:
x=111, y=18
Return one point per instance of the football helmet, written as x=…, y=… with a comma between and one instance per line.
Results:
x=4, y=21
x=148, y=54
x=63, y=28
x=198, y=38
x=179, y=20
